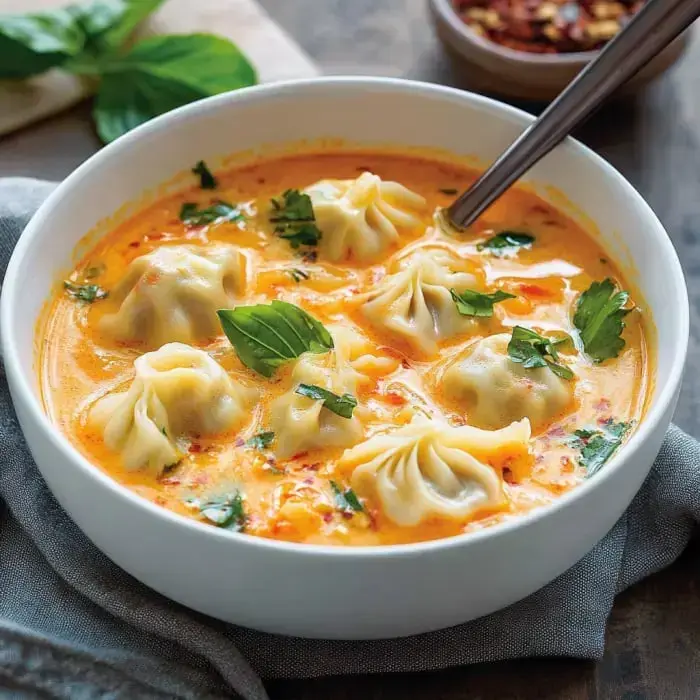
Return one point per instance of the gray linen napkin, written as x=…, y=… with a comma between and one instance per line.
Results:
x=74, y=625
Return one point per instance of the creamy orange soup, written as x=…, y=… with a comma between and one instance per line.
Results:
x=449, y=431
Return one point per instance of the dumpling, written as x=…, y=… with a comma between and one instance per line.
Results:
x=430, y=469
x=415, y=303
x=177, y=392
x=495, y=391
x=173, y=293
x=359, y=218
x=300, y=423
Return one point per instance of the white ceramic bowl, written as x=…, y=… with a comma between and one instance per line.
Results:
x=319, y=591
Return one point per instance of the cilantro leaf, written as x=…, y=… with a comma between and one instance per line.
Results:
x=225, y=511
x=266, y=336
x=294, y=219
x=346, y=500
x=597, y=446
x=216, y=213
x=506, y=242
x=342, y=406
x=598, y=318
x=206, y=180
x=531, y=350
x=85, y=292
x=472, y=303
x=261, y=441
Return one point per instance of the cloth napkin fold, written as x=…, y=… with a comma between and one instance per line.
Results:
x=273, y=53
x=73, y=625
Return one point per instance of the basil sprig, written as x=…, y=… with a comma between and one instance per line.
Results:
x=191, y=215
x=266, y=336
x=473, y=303
x=342, y=406
x=294, y=219
x=506, y=242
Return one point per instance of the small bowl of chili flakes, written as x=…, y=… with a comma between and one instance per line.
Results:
x=532, y=49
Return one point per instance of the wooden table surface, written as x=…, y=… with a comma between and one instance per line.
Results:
x=653, y=647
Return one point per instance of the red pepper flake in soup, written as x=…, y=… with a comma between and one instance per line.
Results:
x=548, y=26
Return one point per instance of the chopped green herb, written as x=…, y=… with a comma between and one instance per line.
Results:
x=298, y=275
x=472, y=303
x=164, y=431
x=294, y=219
x=261, y=441
x=94, y=271
x=449, y=190
x=598, y=318
x=506, y=242
x=597, y=446
x=216, y=213
x=531, y=350
x=266, y=336
x=226, y=511
x=346, y=500
x=340, y=405
x=85, y=292
x=206, y=180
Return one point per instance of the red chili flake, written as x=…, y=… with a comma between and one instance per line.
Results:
x=602, y=405
x=556, y=431
x=396, y=399
x=299, y=455
x=534, y=290
x=239, y=442
x=201, y=479
x=405, y=364
x=134, y=244
x=309, y=480
x=327, y=517
x=195, y=448
x=372, y=515
x=170, y=480
x=311, y=467
x=508, y=475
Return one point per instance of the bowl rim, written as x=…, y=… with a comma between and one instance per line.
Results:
x=24, y=383
x=447, y=13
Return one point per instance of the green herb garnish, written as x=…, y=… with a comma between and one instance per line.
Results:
x=85, y=292
x=225, y=511
x=298, y=275
x=533, y=350
x=133, y=83
x=506, y=242
x=266, y=336
x=340, y=405
x=346, y=500
x=206, y=180
x=597, y=446
x=216, y=213
x=472, y=303
x=294, y=219
x=598, y=318
x=261, y=441
x=94, y=271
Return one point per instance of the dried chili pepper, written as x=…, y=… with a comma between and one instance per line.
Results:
x=548, y=26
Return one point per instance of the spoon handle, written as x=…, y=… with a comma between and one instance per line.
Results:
x=654, y=27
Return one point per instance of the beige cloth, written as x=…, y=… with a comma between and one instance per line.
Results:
x=269, y=48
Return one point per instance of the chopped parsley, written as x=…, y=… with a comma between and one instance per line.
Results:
x=220, y=211
x=346, y=500
x=506, y=242
x=294, y=219
x=206, y=180
x=261, y=441
x=472, y=303
x=85, y=292
x=225, y=511
x=597, y=446
x=531, y=350
x=342, y=406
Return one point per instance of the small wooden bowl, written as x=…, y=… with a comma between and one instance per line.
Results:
x=493, y=68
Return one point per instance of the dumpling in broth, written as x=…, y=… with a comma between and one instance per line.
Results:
x=429, y=469
x=173, y=293
x=177, y=392
x=359, y=219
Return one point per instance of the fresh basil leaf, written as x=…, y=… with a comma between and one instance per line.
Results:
x=261, y=441
x=216, y=213
x=206, y=180
x=294, y=219
x=532, y=350
x=346, y=500
x=32, y=44
x=506, y=242
x=85, y=292
x=597, y=446
x=226, y=511
x=472, y=303
x=598, y=318
x=266, y=336
x=342, y=406
x=165, y=72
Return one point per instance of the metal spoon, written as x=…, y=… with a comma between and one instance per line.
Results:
x=654, y=27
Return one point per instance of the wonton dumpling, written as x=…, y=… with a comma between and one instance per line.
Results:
x=358, y=218
x=173, y=293
x=495, y=391
x=429, y=469
x=301, y=423
x=415, y=303
x=178, y=391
